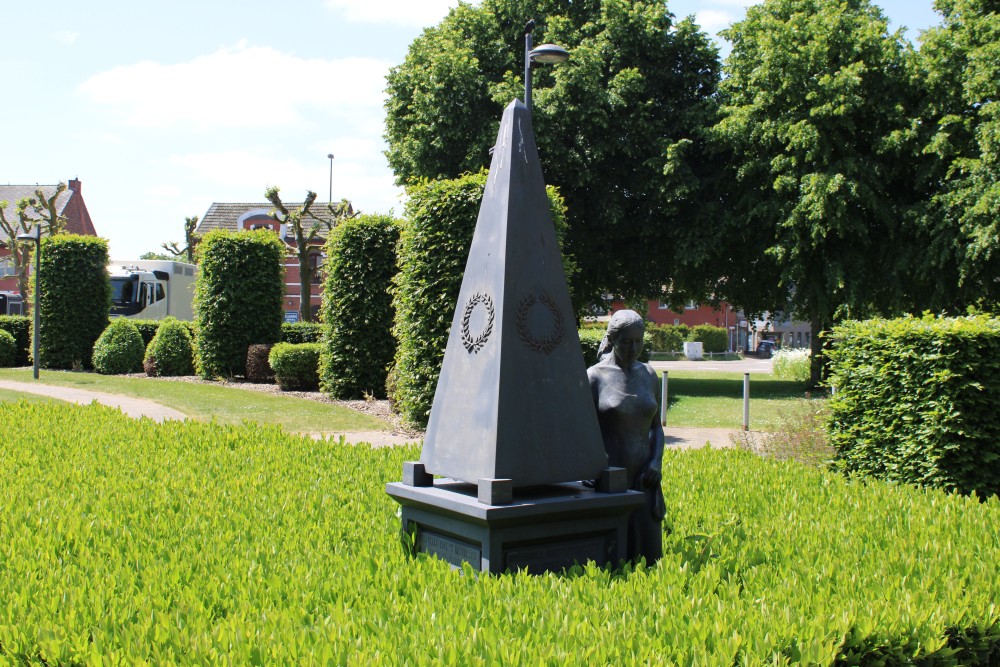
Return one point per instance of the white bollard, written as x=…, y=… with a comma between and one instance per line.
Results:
x=746, y=401
x=664, y=394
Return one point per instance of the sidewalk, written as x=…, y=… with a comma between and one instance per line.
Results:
x=133, y=407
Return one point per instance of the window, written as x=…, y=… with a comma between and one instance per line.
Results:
x=316, y=262
x=663, y=306
x=691, y=305
x=6, y=267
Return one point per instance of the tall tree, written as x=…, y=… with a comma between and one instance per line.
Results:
x=960, y=74
x=306, y=227
x=636, y=82
x=816, y=140
x=190, y=241
x=30, y=211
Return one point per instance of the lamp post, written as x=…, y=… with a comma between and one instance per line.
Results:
x=35, y=238
x=546, y=53
x=330, y=200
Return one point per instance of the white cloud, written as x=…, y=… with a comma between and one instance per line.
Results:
x=418, y=13
x=66, y=36
x=714, y=20
x=243, y=86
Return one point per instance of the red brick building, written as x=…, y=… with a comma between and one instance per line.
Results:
x=248, y=216
x=69, y=204
x=693, y=314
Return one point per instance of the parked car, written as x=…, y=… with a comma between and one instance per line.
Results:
x=765, y=349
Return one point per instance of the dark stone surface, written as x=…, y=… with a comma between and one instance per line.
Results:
x=513, y=401
x=546, y=528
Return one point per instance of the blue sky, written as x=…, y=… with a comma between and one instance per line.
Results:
x=161, y=108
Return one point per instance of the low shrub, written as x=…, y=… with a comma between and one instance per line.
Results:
x=792, y=364
x=119, y=349
x=916, y=401
x=301, y=332
x=667, y=337
x=19, y=326
x=171, y=351
x=232, y=536
x=8, y=349
x=258, y=368
x=713, y=339
x=296, y=367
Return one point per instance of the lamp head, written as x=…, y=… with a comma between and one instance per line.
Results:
x=548, y=53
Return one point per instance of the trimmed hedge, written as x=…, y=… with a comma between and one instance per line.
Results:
x=357, y=307
x=134, y=542
x=148, y=328
x=19, y=326
x=75, y=299
x=238, y=298
x=296, y=367
x=301, y=332
x=171, y=351
x=258, y=367
x=667, y=337
x=917, y=401
x=433, y=249
x=590, y=342
x=8, y=349
x=712, y=338
x=119, y=350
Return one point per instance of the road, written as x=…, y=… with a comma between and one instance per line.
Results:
x=748, y=365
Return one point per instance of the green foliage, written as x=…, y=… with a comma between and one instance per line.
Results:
x=238, y=298
x=712, y=338
x=433, y=249
x=19, y=326
x=249, y=535
x=8, y=349
x=959, y=72
x=916, y=401
x=792, y=364
x=667, y=337
x=148, y=328
x=75, y=299
x=296, y=367
x=301, y=332
x=357, y=307
x=171, y=351
x=119, y=350
x=604, y=121
x=817, y=151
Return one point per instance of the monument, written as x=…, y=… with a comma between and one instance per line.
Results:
x=513, y=429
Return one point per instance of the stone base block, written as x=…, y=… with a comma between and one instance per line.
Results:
x=541, y=529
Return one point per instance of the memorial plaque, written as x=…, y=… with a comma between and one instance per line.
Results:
x=449, y=549
x=555, y=556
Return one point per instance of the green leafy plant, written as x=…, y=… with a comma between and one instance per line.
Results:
x=713, y=339
x=667, y=337
x=916, y=401
x=357, y=307
x=301, y=332
x=75, y=299
x=171, y=351
x=181, y=542
x=19, y=326
x=119, y=349
x=8, y=349
x=296, y=367
x=792, y=364
x=238, y=298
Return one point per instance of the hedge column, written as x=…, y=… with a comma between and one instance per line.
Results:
x=237, y=298
x=75, y=299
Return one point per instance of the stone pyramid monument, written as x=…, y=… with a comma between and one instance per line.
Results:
x=513, y=401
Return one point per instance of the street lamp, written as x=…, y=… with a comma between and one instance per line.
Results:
x=546, y=53
x=330, y=155
x=36, y=238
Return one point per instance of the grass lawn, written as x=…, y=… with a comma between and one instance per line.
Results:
x=715, y=400
x=227, y=405
x=14, y=396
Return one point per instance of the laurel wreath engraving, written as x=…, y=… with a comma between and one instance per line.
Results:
x=533, y=342
x=473, y=345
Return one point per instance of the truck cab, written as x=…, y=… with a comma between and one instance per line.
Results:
x=152, y=289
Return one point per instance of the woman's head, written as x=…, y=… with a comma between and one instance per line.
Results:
x=624, y=336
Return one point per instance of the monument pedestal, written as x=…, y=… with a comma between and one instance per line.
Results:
x=541, y=529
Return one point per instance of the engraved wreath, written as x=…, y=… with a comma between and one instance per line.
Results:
x=473, y=345
x=549, y=342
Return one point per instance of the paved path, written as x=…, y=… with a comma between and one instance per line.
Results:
x=133, y=407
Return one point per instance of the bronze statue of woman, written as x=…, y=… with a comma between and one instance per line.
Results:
x=625, y=393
